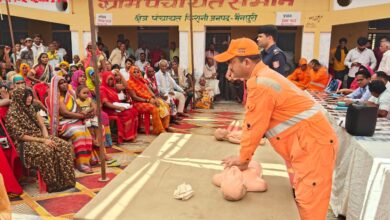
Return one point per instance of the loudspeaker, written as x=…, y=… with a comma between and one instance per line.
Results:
x=361, y=119
x=344, y=3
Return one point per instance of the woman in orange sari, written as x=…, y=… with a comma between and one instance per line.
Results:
x=146, y=102
x=127, y=128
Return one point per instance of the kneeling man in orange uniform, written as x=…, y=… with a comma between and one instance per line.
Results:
x=301, y=75
x=292, y=122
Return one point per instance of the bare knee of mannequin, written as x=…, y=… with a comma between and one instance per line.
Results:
x=232, y=185
x=253, y=178
x=220, y=134
x=234, y=137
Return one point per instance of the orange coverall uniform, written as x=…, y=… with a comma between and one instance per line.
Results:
x=298, y=131
x=318, y=80
x=299, y=77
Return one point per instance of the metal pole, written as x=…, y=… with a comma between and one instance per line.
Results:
x=11, y=31
x=192, y=54
x=103, y=177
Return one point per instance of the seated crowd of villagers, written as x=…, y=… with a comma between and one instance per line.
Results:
x=49, y=111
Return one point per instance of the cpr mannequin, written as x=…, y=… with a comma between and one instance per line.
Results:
x=235, y=183
x=231, y=136
x=232, y=184
x=225, y=135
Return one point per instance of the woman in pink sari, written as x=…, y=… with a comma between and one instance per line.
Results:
x=128, y=117
x=68, y=123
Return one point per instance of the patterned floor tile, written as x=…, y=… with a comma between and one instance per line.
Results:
x=33, y=191
x=65, y=204
x=92, y=181
x=23, y=209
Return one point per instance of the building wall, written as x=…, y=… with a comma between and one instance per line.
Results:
x=350, y=31
x=110, y=34
x=39, y=27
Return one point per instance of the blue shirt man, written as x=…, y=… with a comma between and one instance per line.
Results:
x=362, y=93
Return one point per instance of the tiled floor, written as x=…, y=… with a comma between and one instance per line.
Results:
x=63, y=205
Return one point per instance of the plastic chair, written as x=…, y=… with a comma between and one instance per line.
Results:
x=41, y=183
x=145, y=117
x=41, y=89
x=329, y=80
x=119, y=139
x=340, y=83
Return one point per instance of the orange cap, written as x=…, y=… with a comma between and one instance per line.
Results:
x=238, y=48
x=302, y=61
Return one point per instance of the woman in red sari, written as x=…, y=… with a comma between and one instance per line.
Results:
x=146, y=102
x=128, y=123
x=10, y=165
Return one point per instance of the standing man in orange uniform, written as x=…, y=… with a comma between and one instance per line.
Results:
x=319, y=76
x=300, y=76
x=292, y=122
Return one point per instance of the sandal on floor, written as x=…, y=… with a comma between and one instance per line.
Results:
x=113, y=164
x=112, y=160
x=85, y=169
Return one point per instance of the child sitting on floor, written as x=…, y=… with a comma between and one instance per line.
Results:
x=88, y=107
x=203, y=94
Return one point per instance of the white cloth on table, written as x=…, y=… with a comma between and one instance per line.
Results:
x=361, y=171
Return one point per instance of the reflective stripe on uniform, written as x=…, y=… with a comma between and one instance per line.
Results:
x=269, y=82
x=292, y=121
x=318, y=84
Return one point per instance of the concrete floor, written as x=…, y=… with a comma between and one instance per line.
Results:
x=203, y=122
